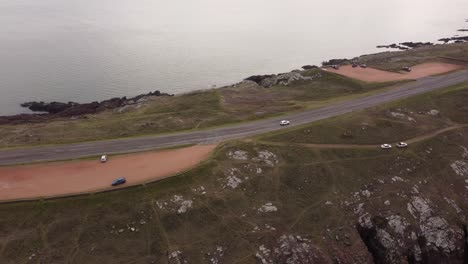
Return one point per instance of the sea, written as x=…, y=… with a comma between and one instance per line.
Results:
x=91, y=50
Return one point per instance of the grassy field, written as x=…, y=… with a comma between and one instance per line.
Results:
x=196, y=110
x=254, y=197
x=389, y=123
x=203, y=109
x=307, y=187
x=396, y=60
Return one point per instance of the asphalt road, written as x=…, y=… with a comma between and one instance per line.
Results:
x=72, y=151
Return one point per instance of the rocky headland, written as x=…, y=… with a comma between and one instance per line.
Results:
x=53, y=110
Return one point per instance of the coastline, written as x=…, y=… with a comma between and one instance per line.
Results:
x=44, y=112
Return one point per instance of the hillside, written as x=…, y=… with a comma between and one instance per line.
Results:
x=314, y=194
x=284, y=93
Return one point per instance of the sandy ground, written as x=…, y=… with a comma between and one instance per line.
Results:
x=375, y=75
x=74, y=177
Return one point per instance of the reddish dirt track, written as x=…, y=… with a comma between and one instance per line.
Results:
x=75, y=177
x=375, y=75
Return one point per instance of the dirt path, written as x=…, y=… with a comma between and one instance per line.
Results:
x=375, y=75
x=369, y=146
x=75, y=177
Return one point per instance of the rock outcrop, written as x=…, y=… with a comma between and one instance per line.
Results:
x=290, y=249
x=283, y=79
x=427, y=238
x=406, y=45
x=75, y=109
x=454, y=39
x=309, y=67
x=54, y=110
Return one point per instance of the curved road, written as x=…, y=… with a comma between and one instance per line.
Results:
x=72, y=151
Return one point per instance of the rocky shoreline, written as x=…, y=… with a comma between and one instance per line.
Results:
x=406, y=45
x=412, y=45
x=55, y=110
x=52, y=110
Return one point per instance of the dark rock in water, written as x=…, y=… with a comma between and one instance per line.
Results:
x=414, y=45
x=75, y=109
x=454, y=39
x=463, y=29
x=445, y=40
x=335, y=62
x=71, y=109
x=393, y=46
x=53, y=107
x=309, y=67
x=406, y=45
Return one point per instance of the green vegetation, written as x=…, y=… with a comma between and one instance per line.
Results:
x=217, y=211
x=203, y=109
x=197, y=110
x=308, y=187
x=388, y=123
x=396, y=60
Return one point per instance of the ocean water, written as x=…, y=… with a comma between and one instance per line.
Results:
x=88, y=50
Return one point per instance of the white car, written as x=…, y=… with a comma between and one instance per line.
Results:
x=385, y=146
x=284, y=123
x=103, y=158
x=402, y=144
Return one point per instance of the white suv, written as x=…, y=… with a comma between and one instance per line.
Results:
x=284, y=123
x=385, y=146
x=104, y=158
x=402, y=144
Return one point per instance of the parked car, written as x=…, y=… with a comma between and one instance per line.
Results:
x=103, y=158
x=385, y=146
x=355, y=65
x=284, y=123
x=407, y=69
x=402, y=144
x=336, y=67
x=363, y=65
x=119, y=181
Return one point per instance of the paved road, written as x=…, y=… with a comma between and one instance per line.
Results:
x=71, y=151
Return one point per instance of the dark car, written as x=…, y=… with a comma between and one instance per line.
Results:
x=118, y=181
x=354, y=64
x=407, y=69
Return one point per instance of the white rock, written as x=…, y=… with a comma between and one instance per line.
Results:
x=185, y=205
x=238, y=155
x=397, y=179
x=233, y=182
x=366, y=193
x=460, y=168
x=398, y=224
x=269, y=158
x=267, y=208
